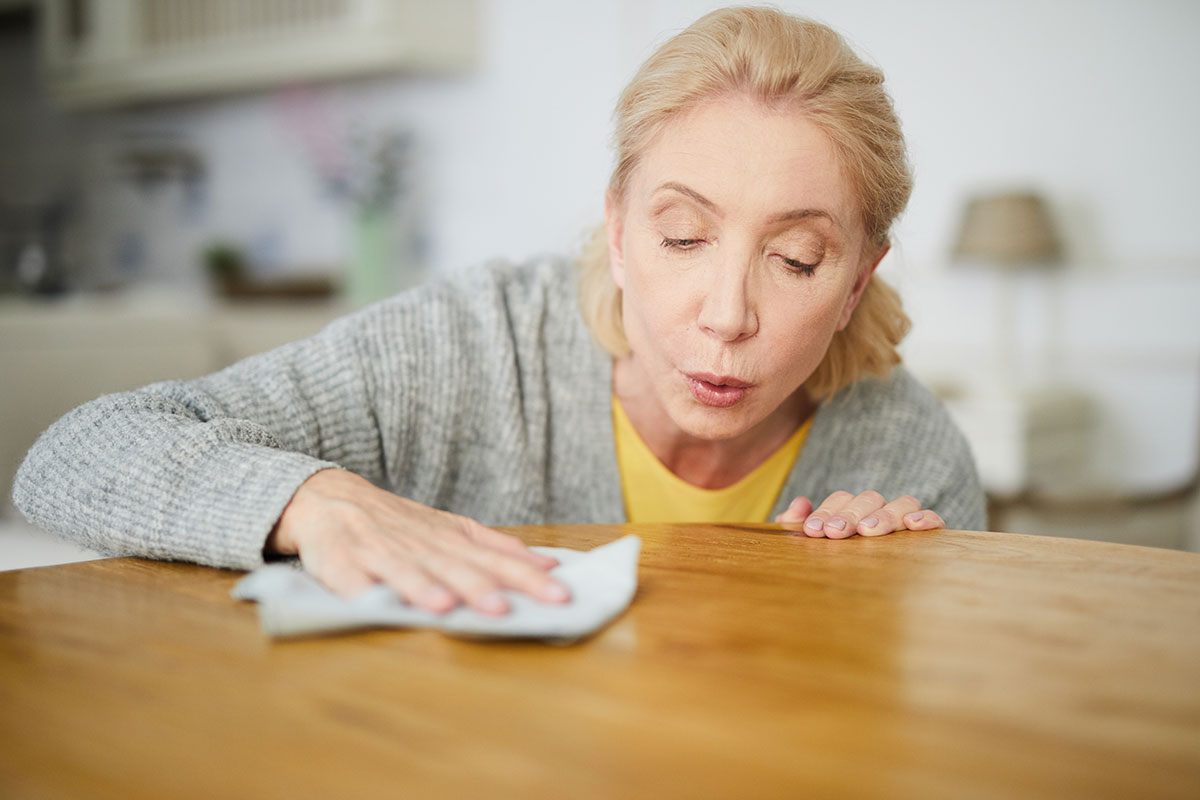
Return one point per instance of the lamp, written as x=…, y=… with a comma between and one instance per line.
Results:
x=1010, y=229
x=1011, y=232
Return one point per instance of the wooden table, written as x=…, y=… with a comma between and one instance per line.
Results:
x=752, y=663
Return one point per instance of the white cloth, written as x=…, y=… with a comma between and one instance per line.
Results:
x=602, y=582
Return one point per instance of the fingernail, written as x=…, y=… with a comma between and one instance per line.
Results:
x=870, y=522
x=493, y=603
x=556, y=593
x=915, y=516
x=837, y=524
x=814, y=524
x=439, y=597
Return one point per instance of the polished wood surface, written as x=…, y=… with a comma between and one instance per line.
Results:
x=752, y=663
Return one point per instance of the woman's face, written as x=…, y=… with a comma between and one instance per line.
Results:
x=740, y=250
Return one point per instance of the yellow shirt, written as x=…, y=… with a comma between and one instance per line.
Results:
x=655, y=494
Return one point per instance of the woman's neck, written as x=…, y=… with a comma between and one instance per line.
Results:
x=707, y=463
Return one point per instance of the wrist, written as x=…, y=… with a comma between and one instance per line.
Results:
x=280, y=541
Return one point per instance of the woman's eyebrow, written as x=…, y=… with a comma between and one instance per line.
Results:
x=803, y=213
x=787, y=216
x=689, y=192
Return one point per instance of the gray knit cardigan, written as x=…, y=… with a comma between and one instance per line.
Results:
x=483, y=394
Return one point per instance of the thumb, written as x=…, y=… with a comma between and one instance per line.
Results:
x=798, y=511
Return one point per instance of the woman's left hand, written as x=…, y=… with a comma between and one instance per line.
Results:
x=843, y=515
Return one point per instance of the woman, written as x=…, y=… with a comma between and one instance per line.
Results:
x=747, y=365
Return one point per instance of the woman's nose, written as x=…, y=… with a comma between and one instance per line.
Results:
x=728, y=311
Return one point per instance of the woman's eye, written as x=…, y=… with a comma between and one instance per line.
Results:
x=799, y=266
x=681, y=244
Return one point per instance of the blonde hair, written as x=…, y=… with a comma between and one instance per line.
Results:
x=775, y=57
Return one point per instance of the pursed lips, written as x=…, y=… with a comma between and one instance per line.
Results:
x=717, y=391
x=719, y=380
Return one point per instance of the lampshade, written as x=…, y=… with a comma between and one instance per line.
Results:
x=1010, y=229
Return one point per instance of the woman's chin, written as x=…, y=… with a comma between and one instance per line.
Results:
x=712, y=423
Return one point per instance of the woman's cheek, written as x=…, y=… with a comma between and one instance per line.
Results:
x=660, y=290
x=803, y=328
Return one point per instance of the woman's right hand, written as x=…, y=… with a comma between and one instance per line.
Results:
x=350, y=534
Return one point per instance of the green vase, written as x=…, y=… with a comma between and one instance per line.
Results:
x=373, y=265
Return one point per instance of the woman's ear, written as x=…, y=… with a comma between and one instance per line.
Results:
x=860, y=284
x=614, y=224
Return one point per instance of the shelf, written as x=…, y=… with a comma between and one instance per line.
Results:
x=113, y=52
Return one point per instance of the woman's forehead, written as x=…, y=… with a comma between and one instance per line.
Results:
x=738, y=156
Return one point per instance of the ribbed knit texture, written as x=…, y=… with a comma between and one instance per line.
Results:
x=483, y=394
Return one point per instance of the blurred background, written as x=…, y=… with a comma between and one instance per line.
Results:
x=186, y=182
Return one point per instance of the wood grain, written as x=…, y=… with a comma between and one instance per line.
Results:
x=753, y=663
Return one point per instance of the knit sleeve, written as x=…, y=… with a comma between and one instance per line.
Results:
x=438, y=394
x=961, y=503
x=201, y=470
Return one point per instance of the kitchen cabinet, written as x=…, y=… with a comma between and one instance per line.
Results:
x=115, y=52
